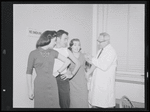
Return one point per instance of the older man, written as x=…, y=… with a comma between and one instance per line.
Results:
x=102, y=87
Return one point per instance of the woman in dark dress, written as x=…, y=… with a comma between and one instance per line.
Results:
x=78, y=83
x=45, y=93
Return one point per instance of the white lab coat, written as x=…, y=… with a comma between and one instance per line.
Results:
x=102, y=86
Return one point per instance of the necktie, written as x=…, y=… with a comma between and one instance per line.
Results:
x=99, y=53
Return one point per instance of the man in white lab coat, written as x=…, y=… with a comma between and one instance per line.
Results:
x=102, y=86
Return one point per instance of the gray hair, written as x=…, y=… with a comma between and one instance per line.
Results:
x=105, y=35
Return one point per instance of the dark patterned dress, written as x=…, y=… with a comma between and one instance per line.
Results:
x=45, y=84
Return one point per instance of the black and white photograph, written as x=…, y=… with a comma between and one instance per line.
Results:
x=73, y=56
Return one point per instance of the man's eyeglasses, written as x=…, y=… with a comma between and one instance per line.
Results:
x=101, y=41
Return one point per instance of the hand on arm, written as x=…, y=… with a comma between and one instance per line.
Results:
x=88, y=58
x=67, y=75
x=66, y=63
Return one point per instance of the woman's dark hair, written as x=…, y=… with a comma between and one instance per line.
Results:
x=45, y=38
x=71, y=43
x=61, y=32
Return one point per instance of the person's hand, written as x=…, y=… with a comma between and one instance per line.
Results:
x=88, y=58
x=31, y=95
x=64, y=76
x=67, y=75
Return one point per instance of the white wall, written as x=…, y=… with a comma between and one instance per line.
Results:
x=74, y=18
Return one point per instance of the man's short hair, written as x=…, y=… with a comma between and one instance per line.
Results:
x=61, y=32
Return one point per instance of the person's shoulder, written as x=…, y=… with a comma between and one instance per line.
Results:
x=109, y=47
x=52, y=50
x=33, y=52
x=112, y=49
x=57, y=49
